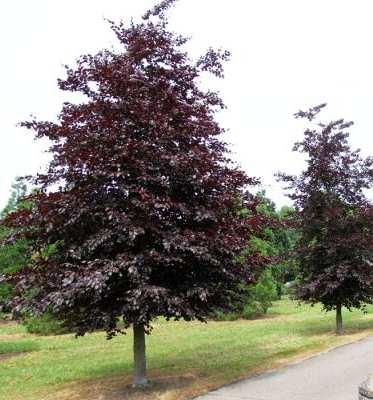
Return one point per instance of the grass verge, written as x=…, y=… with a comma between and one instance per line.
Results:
x=184, y=359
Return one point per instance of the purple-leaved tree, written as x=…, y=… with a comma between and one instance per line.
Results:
x=146, y=218
x=335, y=251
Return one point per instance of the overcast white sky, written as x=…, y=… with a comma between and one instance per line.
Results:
x=287, y=55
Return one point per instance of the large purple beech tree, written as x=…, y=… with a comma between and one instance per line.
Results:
x=147, y=216
x=335, y=218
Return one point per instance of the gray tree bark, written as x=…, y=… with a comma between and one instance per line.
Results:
x=339, y=321
x=140, y=378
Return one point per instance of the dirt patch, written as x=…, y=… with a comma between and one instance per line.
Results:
x=7, y=356
x=6, y=322
x=120, y=388
x=8, y=336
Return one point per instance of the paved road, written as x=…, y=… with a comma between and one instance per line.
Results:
x=334, y=375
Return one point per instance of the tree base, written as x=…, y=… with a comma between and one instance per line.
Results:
x=141, y=384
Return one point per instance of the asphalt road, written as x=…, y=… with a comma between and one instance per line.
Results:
x=334, y=375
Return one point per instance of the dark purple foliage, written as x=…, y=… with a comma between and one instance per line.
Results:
x=335, y=218
x=146, y=218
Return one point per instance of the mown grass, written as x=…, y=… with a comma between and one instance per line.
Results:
x=188, y=358
x=19, y=346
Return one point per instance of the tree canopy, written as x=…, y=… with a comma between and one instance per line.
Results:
x=146, y=218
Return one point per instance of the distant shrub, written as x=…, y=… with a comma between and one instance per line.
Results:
x=264, y=292
x=225, y=316
x=280, y=290
x=45, y=324
x=251, y=310
x=5, y=296
x=258, y=300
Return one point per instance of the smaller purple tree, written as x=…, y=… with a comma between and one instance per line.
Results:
x=335, y=250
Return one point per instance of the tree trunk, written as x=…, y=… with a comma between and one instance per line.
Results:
x=139, y=355
x=339, y=326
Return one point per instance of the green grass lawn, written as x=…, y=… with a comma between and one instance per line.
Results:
x=184, y=358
